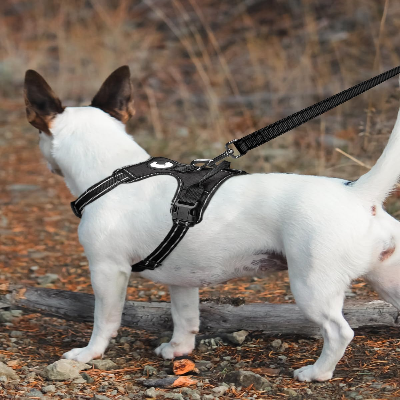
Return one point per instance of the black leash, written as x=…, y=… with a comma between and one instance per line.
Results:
x=198, y=182
x=264, y=135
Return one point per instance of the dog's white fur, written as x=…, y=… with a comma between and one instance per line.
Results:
x=330, y=234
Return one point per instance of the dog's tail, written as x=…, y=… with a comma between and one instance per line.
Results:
x=378, y=183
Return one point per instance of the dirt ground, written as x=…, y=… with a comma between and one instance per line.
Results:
x=38, y=237
x=202, y=77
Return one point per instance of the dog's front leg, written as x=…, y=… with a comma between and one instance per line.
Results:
x=109, y=285
x=185, y=314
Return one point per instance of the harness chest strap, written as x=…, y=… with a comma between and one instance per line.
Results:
x=195, y=189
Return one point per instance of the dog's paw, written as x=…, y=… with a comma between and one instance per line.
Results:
x=310, y=373
x=171, y=350
x=84, y=354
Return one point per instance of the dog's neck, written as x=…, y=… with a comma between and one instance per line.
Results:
x=89, y=145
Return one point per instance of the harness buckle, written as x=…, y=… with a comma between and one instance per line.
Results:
x=184, y=213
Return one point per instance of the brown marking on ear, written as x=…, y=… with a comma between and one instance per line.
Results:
x=42, y=104
x=115, y=96
x=373, y=209
x=387, y=253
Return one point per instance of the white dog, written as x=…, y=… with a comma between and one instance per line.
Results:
x=326, y=231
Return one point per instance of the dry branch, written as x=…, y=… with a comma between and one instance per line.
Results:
x=270, y=318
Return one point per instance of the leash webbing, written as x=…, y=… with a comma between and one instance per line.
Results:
x=263, y=135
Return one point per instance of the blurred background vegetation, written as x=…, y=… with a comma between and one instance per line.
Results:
x=208, y=71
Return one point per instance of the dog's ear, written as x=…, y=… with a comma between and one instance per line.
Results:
x=42, y=104
x=115, y=96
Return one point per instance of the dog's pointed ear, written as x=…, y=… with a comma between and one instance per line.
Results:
x=42, y=104
x=115, y=96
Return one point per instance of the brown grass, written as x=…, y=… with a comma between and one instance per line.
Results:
x=209, y=71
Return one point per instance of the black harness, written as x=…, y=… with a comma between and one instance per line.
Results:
x=196, y=187
x=197, y=184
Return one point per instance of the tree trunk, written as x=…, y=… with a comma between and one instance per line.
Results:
x=271, y=318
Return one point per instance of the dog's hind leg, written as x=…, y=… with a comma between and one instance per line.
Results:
x=185, y=314
x=322, y=303
x=385, y=279
x=109, y=285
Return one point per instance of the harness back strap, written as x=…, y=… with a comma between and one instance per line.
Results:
x=195, y=190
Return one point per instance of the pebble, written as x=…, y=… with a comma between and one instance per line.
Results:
x=220, y=390
x=16, y=334
x=237, y=337
x=35, y=393
x=290, y=392
x=6, y=316
x=151, y=392
x=16, y=313
x=8, y=372
x=247, y=378
x=208, y=397
x=149, y=370
x=202, y=348
x=176, y=396
x=79, y=380
x=104, y=365
x=276, y=343
x=63, y=370
x=48, y=389
x=47, y=279
x=87, y=377
x=100, y=397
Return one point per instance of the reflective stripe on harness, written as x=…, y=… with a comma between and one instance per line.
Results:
x=196, y=187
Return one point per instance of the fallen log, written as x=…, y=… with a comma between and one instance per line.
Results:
x=271, y=318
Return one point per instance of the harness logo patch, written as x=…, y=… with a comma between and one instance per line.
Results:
x=167, y=164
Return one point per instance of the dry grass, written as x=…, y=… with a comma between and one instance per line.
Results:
x=208, y=71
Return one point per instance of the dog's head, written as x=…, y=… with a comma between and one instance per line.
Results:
x=43, y=107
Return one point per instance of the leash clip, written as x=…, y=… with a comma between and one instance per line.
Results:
x=230, y=152
x=206, y=162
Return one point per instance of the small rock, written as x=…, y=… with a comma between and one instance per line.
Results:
x=125, y=339
x=282, y=358
x=237, y=337
x=79, y=380
x=16, y=334
x=176, y=396
x=100, y=397
x=149, y=370
x=47, y=279
x=16, y=313
x=8, y=372
x=290, y=392
x=247, y=378
x=151, y=392
x=35, y=393
x=308, y=391
x=220, y=390
x=49, y=389
x=208, y=397
x=105, y=365
x=202, y=348
x=276, y=343
x=63, y=370
x=6, y=316
x=283, y=347
x=87, y=377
